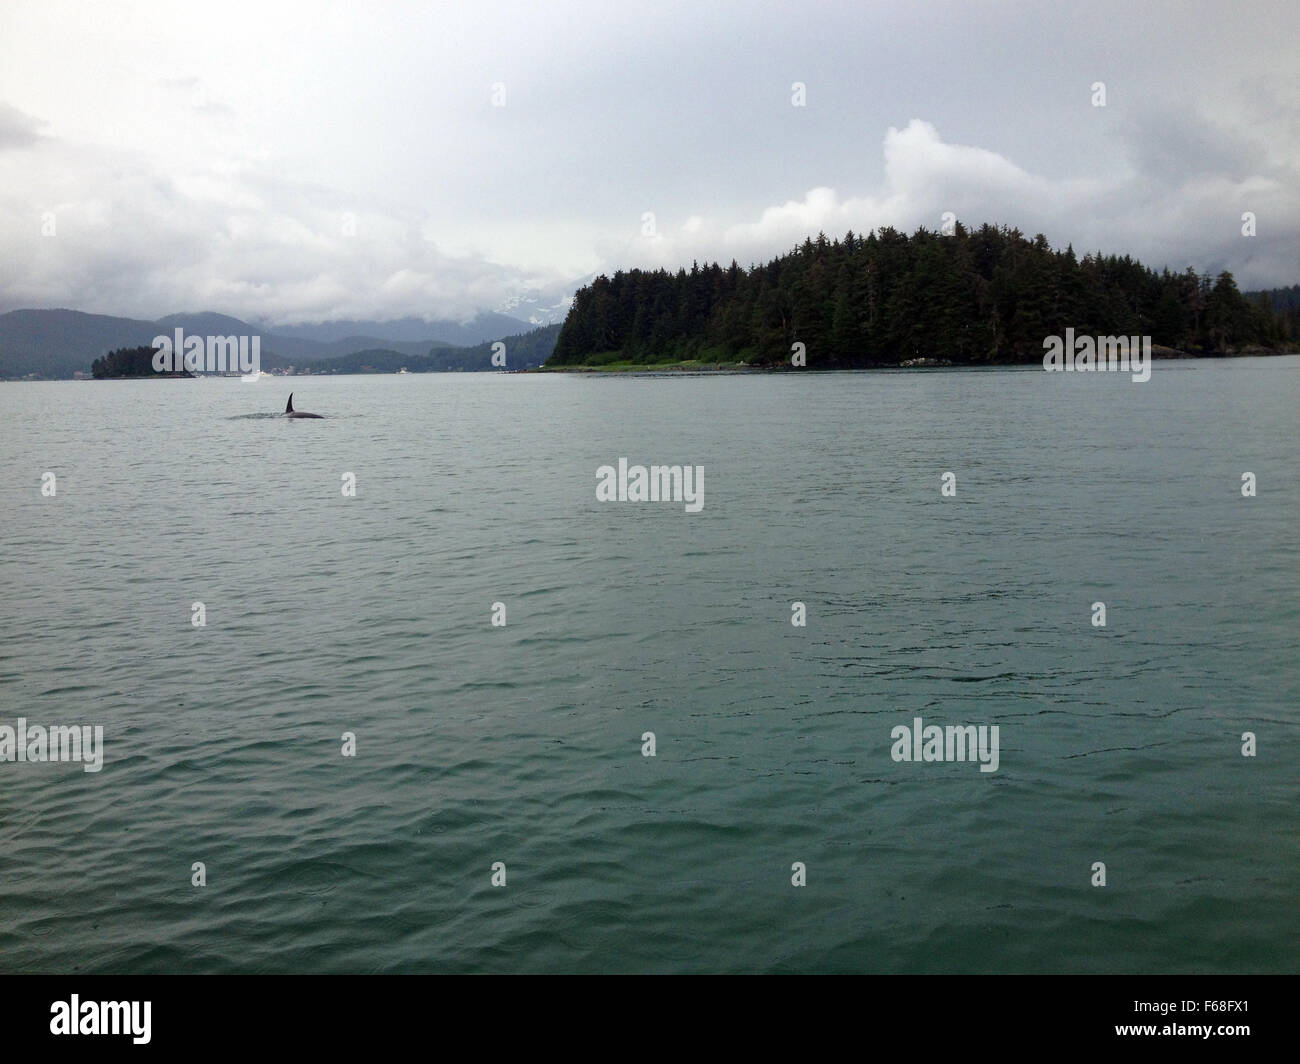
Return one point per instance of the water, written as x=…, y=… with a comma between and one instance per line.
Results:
x=477, y=744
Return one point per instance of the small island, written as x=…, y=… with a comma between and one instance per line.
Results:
x=130, y=362
x=969, y=297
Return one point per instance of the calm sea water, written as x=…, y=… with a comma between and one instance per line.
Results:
x=521, y=744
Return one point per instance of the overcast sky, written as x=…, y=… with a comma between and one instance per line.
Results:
x=309, y=161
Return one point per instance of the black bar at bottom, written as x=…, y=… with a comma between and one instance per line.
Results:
x=341, y=1013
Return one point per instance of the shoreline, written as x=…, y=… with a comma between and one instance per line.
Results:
x=698, y=366
x=688, y=367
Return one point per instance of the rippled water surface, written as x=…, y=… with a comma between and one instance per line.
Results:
x=522, y=744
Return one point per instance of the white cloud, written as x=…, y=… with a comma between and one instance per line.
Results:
x=131, y=240
x=1193, y=219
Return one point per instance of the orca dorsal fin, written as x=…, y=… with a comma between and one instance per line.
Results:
x=289, y=407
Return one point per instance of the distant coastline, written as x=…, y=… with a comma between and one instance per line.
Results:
x=985, y=297
x=62, y=344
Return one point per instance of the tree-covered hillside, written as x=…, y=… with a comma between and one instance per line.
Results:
x=1286, y=304
x=982, y=296
x=523, y=351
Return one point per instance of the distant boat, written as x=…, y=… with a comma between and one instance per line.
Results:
x=402, y=370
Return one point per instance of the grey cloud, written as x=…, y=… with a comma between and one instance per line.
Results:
x=1170, y=143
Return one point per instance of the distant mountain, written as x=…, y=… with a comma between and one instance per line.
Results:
x=523, y=351
x=206, y=323
x=484, y=326
x=377, y=360
x=60, y=343
x=546, y=306
x=288, y=347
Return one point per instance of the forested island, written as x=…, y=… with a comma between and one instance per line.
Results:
x=974, y=297
x=129, y=362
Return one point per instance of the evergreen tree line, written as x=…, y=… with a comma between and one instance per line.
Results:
x=983, y=296
x=129, y=362
x=1286, y=304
